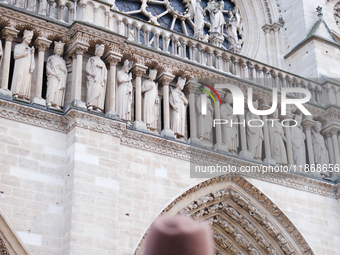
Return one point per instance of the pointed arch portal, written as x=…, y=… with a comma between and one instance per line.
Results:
x=243, y=219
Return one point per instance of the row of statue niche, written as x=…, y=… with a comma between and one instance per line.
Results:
x=96, y=75
x=255, y=135
x=215, y=9
x=150, y=113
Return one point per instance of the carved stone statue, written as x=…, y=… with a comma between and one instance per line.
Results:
x=232, y=28
x=204, y=121
x=23, y=67
x=321, y=155
x=56, y=77
x=150, y=101
x=298, y=143
x=124, y=92
x=197, y=13
x=216, y=16
x=254, y=134
x=96, y=80
x=229, y=133
x=277, y=136
x=178, y=103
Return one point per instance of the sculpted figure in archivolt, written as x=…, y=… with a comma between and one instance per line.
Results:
x=150, y=101
x=321, y=155
x=229, y=133
x=56, y=77
x=276, y=135
x=23, y=67
x=298, y=143
x=96, y=80
x=124, y=91
x=178, y=103
x=254, y=134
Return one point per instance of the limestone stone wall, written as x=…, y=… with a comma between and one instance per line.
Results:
x=86, y=193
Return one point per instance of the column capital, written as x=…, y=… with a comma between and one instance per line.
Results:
x=113, y=58
x=9, y=33
x=191, y=86
x=308, y=123
x=42, y=44
x=165, y=78
x=139, y=70
x=266, y=28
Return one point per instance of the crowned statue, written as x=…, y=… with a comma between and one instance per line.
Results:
x=254, y=134
x=23, y=67
x=56, y=77
x=298, y=142
x=150, y=101
x=321, y=155
x=205, y=119
x=230, y=134
x=124, y=91
x=277, y=137
x=178, y=103
x=96, y=80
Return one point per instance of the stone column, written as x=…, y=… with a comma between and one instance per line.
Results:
x=166, y=41
x=235, y=67
x=147, y=37
x=334, y=133
x=219, y=65
x=227, y=64
x=42, y=44
x=77, y=50
x=276, y=28
x=139, y=70
x=165, y=80
x=245, y=70
x=266, y=30
x=219, y=146
x=244, y=153
x=193, y=140
x=184, y=49
x=113, y=57
x=9, y=34
x=193, y=52
x=289, y=141
x=308, y=123
x=252, y=72
x=330, y=147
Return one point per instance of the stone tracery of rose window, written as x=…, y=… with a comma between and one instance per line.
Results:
x=217, y=22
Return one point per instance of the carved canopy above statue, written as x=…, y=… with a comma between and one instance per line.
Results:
x=243, y=219
x=217, y=22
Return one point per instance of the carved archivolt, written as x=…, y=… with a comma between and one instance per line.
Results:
x=243, y=219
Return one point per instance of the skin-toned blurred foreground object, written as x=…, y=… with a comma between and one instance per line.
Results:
x=179, y=236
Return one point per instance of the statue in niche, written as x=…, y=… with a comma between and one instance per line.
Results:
x=229, y=133
x=205, y=121
x=178, y=103
x=23, y=67
x=124, y=91
x=216, y=16
x=197, y=13
x=233, y=25
x=277, y=136
x=321, y=155
x=298, y=142
x=56, y=77
x=254, y=134
x=96, y=80
x=150, y=101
